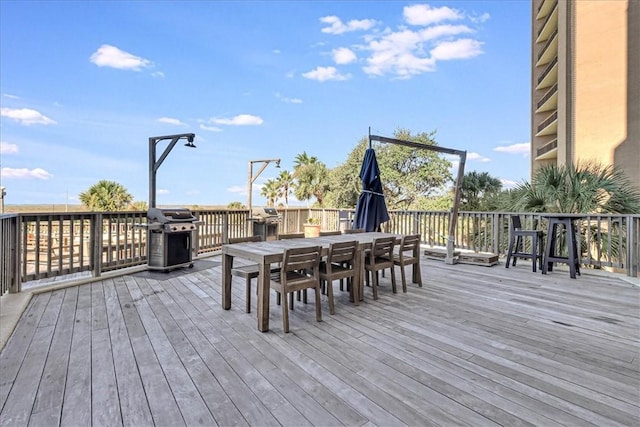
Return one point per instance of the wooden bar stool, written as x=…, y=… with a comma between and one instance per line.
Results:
x=517, y=244
x=550, y=255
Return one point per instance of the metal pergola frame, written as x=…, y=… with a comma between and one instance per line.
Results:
x=453, y=220
x=154, y=164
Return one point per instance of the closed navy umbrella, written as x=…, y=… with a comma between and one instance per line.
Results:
x=371, y=210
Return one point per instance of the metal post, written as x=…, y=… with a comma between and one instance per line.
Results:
x=154, y=164
x=453, y=220
x=3, y=192
x=251, y=179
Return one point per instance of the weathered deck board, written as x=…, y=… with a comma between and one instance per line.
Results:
x=479, y=346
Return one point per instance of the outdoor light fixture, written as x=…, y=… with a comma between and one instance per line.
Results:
x=190, y=141
x=251, y=177
x=154, y=164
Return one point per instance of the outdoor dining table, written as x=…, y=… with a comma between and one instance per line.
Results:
x=270, y=252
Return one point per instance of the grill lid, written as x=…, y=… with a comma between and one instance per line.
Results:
x=264, y=212
x=169, y=215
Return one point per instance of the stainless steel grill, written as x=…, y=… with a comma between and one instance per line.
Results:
x=170, y=238
x=266, y=221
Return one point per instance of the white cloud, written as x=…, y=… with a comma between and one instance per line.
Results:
x=171, y=121
x=289, y=100
x=478, y=157
x=27, y=116
x=411, y=49
x=507, y=183
x=276, y=51
x=403, y=52
x=10, y=96
x=25, y=173
x=323, y=74
x=440, y=31
x=210, y=128
x=423, y=14
x=336, y=26
x=522, y=148
x=7, y=148
x=163, y=191
x=479, y=19
x=457, y=49
x=239, y=120
x=343, y=55
x=158, y=74
x=111, y=56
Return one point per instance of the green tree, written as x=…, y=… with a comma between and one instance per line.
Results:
x=139, y=205
x=586, y=188
x=107, y=196
x=270, y=190
x=477, y=188
x=285, y=183
x=236, y=205
x=408, y=174
x=311, y=178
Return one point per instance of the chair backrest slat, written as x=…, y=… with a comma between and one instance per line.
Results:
x=383, y=246
x=409, y=242
x=290, y=236
x=515, y=222
x=354, y=230
x=296, y=259
x=342, y=251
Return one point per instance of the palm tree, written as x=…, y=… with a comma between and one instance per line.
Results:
x=270, y=190
x=108, y=196
x=311, y=178
x=302, y=172
x=285, y=183
x=476, y=187
x=586, y=188
x=138, y=205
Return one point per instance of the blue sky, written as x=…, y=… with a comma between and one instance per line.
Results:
x=83, y=85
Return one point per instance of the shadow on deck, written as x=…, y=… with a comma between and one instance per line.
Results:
x=474, y=346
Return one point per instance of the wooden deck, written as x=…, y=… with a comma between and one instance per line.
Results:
x=475, y=346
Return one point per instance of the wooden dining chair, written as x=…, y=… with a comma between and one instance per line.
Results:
x=330, y=233
x=406, y=255
x=378, y=258
x=290, y=236
x=247, y=272
x=339, y=265
x=299, y=271
x=354, y=230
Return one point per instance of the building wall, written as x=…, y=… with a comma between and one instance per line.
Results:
x=598, y=84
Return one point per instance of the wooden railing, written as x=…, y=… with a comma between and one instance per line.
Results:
x=48, y=245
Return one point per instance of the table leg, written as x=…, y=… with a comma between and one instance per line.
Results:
x=227, y=265
x=571, y=249
x=264, y=290
x=549, y=249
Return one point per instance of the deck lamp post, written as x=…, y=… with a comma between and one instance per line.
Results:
x=251, y=177
x=154, y=164
x=3, y=192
